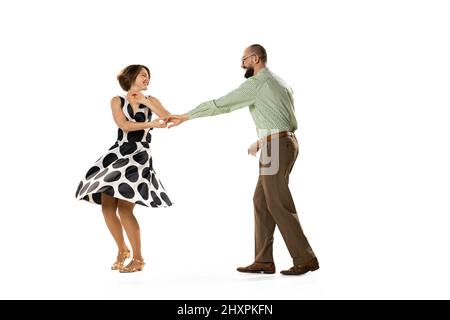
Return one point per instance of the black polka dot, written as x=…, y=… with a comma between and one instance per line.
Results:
x=119, y=134
x=145, y=144
x=148, y=138
x=97, y=197
x=141, y=157
x=93, y=187
x=135, y=136
x=126, y=191
x=166, y=198
x=80, y=185
x=143, y=190
x=101, y=174
x=132, y=173
x=155, y=182
x=155, y=198
x=112, y=176
x=142, y=106
x=127, y=148
x=91, y=172
x=120, y=163
x=84, y=188
x=115, y=145
x=107, y=190
x=108, y=159
x=141, y=203
x=146, y=173
x=86, y=197
x=139, y=117
x=150, y=163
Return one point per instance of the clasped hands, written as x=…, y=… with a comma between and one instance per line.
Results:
x=172, y=120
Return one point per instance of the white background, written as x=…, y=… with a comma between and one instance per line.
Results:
x=372, y=182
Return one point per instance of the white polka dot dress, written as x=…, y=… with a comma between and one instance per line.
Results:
x=126, y=171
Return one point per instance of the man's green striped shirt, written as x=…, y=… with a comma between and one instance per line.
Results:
x=269, y=98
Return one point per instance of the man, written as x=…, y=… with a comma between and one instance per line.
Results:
x=271, y=105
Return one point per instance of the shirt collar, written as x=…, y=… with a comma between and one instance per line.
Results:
x=261, y=72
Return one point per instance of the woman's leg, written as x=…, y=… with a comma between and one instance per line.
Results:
x=131, y=227
x=109, y=208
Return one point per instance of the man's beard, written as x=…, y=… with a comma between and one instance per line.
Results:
x=249, y=72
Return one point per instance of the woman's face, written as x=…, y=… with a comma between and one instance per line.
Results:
x=142, y=80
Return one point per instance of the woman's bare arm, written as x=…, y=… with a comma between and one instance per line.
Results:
x=156, y=106
x=123, y=123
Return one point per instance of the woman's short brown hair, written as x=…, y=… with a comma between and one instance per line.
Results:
x=128, y=75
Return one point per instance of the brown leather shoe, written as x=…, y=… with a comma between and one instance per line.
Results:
x=259, y=267
x=299, y=269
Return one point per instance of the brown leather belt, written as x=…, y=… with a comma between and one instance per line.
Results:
x=278, y=135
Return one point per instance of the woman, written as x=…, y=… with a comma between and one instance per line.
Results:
x=124, y=176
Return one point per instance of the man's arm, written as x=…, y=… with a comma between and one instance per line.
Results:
x=241, y=97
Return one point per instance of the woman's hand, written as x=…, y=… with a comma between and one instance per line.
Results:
x=175, y=120
x=159, y=123
x=137, y=98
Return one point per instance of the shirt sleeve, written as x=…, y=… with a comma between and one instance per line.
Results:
x=241, y=97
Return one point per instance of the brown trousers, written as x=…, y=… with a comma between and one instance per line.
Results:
x=274, y=206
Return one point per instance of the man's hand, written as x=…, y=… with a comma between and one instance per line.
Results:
x=175, y=120
x=254, y=148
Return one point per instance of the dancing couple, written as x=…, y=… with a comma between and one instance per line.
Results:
x=124, y=176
